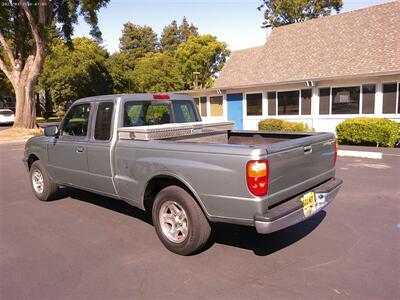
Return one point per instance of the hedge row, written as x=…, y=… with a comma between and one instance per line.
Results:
x=282, y=125
x=377, y=131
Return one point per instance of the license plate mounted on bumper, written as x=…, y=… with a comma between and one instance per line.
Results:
x=309, y=205
x=298, y=208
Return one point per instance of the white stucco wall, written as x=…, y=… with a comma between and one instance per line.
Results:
x=319, y=122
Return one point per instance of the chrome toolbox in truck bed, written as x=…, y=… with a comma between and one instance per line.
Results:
x=165, y=131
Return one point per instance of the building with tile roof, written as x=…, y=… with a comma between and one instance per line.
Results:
x=320, y=72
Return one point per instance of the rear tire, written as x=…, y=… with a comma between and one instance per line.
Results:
x=43, y=187
x=179, y=221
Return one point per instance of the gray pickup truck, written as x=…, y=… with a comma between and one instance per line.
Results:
x=154, y=152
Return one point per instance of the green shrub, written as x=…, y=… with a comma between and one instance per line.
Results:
x=378, y=131
x=282, y=125
x=40, y=119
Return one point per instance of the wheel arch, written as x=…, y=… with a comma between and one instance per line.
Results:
x=159, y=182
x=31, y=159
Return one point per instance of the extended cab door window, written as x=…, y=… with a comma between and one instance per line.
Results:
x=76, y=121
x=102, y=128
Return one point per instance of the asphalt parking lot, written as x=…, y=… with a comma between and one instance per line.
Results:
x=86, y=246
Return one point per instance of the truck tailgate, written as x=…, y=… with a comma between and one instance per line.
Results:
x=299, y=164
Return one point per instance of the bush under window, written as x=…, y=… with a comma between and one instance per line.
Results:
x=369, y=131
x=282, y=125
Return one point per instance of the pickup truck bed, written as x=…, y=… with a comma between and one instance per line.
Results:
x=298, y=161
x=207, y=174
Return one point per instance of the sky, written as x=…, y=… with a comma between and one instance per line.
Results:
x=235, y=22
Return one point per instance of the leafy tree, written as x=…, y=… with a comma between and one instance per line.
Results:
x=75, y=72
x=138, y=40
x=25, y=31
x=203, y=54
x=187, y=30
x=120, y=65
x=283, y=12
x=170, y=37
x=5, y=85
x=157, y=72
x=173, y=35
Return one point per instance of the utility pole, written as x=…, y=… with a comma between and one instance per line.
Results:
x=196, y=80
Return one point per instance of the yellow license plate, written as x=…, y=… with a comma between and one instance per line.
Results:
x=308, y=201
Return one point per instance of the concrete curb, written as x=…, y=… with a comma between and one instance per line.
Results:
x=361, y=154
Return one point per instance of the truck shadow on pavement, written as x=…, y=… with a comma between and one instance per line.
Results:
x=263, y=244
x=227, y=234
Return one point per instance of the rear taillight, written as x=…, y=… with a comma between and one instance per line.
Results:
x=257, y=177
x=335, y=155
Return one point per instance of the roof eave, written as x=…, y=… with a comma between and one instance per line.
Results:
x=350, y=76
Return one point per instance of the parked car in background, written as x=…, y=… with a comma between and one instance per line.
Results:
x=6, y=116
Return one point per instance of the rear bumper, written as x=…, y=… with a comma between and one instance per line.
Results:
x=291, y=212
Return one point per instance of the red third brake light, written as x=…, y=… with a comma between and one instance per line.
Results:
x=160, y=96
x=257, y=177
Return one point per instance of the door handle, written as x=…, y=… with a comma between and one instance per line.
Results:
x=80, y=149
x=307, y=149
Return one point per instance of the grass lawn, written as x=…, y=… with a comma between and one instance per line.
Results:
x=19, y=133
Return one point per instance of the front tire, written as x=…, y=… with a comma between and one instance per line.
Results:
x=179, y=221
x=42, y=186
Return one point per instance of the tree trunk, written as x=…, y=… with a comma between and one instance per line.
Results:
x=24, y=73
x=25, y=110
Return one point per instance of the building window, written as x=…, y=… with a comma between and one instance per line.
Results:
x=254, y=104
x=216, y=109
x=288, y=103
x=306, y=102
x=324, y=100
x=368, y=98
x=389, y=98
x=202, y=105
x=271, y=103
x=346, y=100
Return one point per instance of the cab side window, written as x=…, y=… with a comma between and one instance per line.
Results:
x=102, y=129
x=76, y=121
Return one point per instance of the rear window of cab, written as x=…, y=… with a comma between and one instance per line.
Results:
x=144, y=113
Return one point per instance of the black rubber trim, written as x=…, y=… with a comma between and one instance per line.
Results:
x=328, y=186
x=294, y=203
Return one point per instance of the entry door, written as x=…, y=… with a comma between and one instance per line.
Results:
x=235, y=109
x=68, y=152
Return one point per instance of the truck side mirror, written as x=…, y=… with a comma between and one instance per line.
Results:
x=51, y=130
